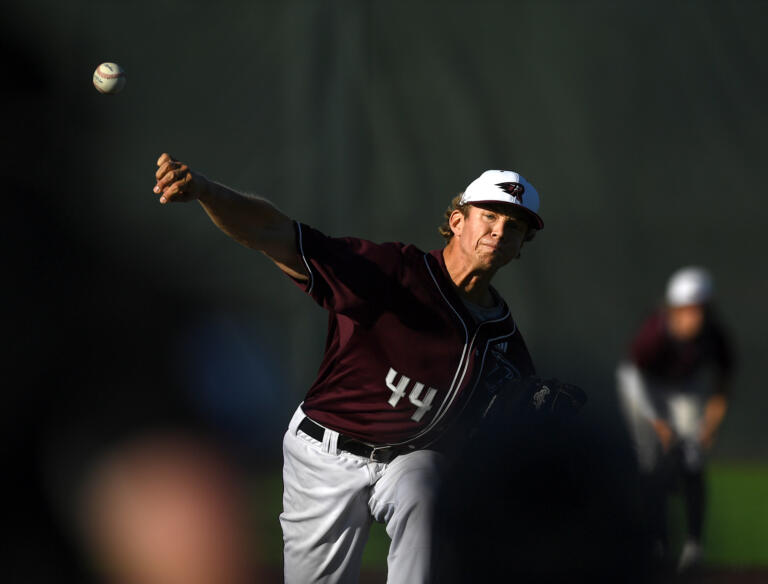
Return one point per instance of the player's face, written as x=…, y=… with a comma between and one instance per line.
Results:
x=685, y=322
x=491, y=235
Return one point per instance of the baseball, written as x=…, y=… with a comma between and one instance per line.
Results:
x=109, y=78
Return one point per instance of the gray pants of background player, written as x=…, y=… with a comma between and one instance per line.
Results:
x=330, y=499
x=681, y=406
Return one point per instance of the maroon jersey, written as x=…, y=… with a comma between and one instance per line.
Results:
x=668, y=360
x=404, y=359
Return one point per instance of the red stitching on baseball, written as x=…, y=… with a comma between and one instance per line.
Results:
x=110, y=75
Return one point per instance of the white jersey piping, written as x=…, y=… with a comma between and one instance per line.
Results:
x=306, y=263
x=463, y=361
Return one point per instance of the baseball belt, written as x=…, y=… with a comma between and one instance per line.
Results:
x=353, y=445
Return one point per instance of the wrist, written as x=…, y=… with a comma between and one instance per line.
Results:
x=206, y=189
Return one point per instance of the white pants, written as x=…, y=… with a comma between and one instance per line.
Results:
x=330, y=499
x=681, y=407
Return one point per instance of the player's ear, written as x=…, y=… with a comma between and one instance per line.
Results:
x=456, y=221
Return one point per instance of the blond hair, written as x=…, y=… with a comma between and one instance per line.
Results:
x=445, y=229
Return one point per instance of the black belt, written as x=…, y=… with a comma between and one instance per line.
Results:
x=353, y=445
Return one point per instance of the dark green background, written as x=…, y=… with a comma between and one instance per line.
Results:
x=641, y=124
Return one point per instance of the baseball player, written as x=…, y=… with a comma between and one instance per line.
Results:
x=419, y=346
x=673, y=389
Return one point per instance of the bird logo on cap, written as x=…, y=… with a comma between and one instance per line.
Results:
x=513, y=188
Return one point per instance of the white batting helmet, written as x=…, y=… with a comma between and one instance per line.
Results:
x=690, y=285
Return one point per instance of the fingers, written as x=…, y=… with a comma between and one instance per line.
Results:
x=164, y=157
x=173, y=179
x=172, y=173
x=174, y=186
x=165, y=164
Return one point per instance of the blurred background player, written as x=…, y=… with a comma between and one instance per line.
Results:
x=673, y=390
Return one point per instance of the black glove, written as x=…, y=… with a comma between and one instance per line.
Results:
x=536, y=398
x=552, y=396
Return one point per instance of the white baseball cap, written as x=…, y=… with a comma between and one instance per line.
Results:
x=689, y=285
x=505, y=186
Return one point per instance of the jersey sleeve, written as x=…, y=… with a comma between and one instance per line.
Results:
x=348, y=275
x=648, y=343
x=724, y=360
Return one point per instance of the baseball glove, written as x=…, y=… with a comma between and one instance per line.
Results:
x=552, y=396
x=519, y=409
x=537, y=398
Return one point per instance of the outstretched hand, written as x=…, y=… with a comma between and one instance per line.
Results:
x=176, y=182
